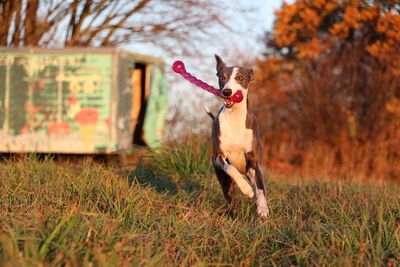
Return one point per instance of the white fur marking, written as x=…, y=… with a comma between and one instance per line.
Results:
x=206, y=108
x=232, y=83
x=241, y=182
x=262, y=207
x=235, y=139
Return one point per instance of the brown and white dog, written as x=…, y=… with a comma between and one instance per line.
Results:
x=237, y=151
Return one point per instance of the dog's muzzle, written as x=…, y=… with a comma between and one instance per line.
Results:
x=228, y=103
x=226, y=92
x=229, y=99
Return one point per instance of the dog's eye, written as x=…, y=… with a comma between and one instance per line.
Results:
x=222, y=78
x=239, y=78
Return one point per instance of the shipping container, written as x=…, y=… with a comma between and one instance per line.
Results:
x=80, y=100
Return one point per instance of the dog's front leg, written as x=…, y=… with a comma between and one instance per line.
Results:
x=236, y=176
x=256, y=176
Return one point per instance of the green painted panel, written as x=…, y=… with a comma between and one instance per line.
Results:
x=55, y=102
x=157, y=108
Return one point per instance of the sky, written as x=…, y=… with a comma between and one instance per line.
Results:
x=261, y=20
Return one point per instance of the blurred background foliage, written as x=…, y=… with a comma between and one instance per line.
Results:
x=328, y=88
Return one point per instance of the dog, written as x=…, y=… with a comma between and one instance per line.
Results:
x=237, y=150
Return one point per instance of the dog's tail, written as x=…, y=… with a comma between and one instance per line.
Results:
x=209, y=112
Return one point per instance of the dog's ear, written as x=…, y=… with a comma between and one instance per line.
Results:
x=251, y=74
x=220, y=63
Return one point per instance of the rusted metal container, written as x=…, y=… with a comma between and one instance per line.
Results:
x=78, y=100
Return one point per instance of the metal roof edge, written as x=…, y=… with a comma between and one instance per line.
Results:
x=100, y=50
x=143, y=57
x=35, y=49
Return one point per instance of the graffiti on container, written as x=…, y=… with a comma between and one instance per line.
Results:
x=56, y=95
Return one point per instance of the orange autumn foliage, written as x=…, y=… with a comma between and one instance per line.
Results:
x=328, y=89
x=306, y=27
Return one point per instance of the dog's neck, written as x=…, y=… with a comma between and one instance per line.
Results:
x=238, y=111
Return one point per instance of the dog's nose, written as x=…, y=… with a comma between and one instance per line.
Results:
x=227, y=92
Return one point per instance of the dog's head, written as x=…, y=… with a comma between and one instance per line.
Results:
x=231, y=80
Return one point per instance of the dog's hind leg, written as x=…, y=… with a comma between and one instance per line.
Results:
x=228, y=188
x=256, y=176
x=226, y=183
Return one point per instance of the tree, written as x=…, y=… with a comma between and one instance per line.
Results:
x=172, y=24
x=331, y=74
x=307, y=30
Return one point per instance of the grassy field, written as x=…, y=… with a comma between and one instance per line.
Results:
x=168, y=210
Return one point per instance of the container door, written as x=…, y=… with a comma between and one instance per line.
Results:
x=140, y=87
x=156, y=110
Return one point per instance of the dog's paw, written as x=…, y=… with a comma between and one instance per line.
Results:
x=246, y=188
x=248, y=191
x=262, y=207
x=263, y=213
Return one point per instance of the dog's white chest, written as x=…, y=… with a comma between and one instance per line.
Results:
x=235, y=139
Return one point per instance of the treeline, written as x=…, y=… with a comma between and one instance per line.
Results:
x=327, y=91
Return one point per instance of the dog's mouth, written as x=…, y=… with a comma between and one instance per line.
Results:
x=228, y=103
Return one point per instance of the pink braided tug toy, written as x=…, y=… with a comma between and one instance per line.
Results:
x=179, y=67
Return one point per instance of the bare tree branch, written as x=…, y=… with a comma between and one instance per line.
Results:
x=8, y=13
x=32, y=31
x=17, y=22
x=174, y=25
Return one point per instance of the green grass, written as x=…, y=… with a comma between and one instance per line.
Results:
x=168, y=211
